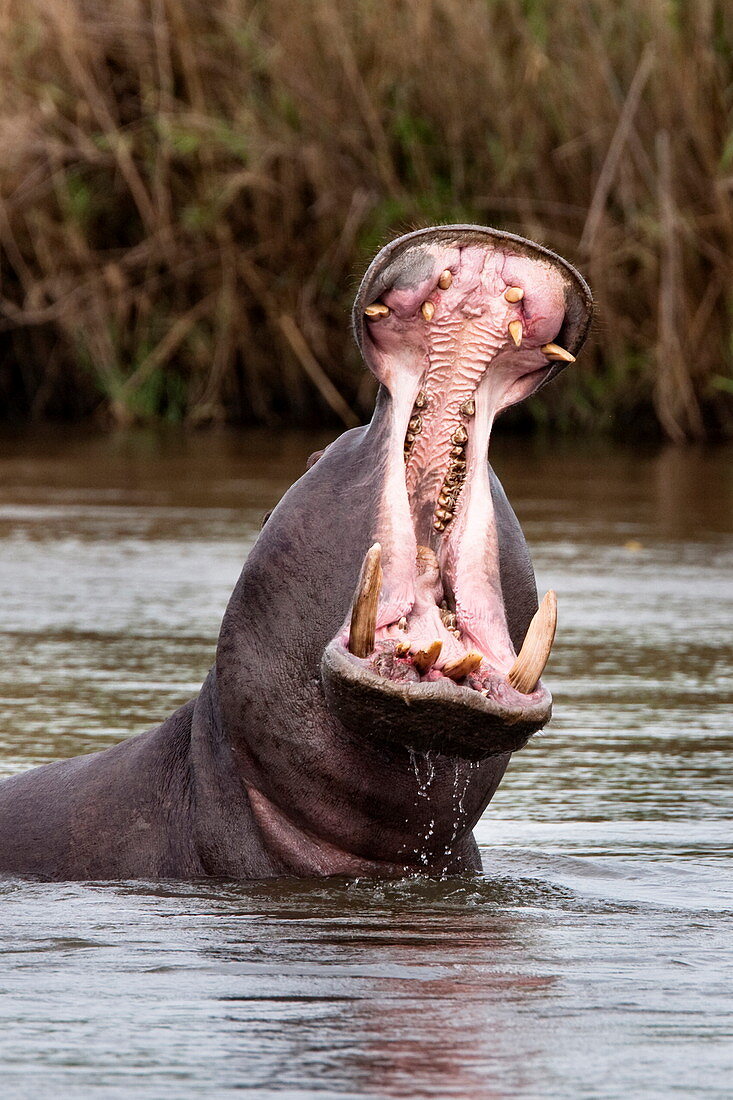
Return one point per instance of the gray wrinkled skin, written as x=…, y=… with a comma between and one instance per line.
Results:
x=256, y=777
x=173, y=803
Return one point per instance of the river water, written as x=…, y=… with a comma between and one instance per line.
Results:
x=593, y=959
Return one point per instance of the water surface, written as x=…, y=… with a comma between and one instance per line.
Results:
x=594, y=958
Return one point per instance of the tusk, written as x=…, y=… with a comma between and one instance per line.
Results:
x=445, y=279
x=513, y=294
x=554, y=351
x=424, y=659
x=525, y=673
x=377, y=310
x=427, y=309
x=515, y=331
x=364, y=607
x=464, y=665
x=402, y=649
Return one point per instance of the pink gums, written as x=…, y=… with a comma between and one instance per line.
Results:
x=432, y=368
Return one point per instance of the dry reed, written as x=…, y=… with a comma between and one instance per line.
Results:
x=188, y=191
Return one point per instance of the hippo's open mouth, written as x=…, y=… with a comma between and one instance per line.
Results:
x=458, y=324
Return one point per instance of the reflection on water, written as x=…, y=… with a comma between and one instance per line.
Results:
x=593, y=959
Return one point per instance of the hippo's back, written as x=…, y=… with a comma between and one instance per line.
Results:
x=121, y=813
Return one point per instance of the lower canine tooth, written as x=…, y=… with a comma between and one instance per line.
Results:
x=364, y=607
x=530, y=664
x=424, y=659
x=463, y=666
x=515, y=331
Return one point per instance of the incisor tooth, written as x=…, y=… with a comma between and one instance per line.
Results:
x=424, y=659
x=530, y=663
x=515, y=331
x=554, y=351
x=376, y=310
x=513, y=294
x=366, y=600
x=445, y=279
x=463, y=666
x=427, y=309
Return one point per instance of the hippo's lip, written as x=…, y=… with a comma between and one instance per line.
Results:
x=457, y=323
x=439, y=715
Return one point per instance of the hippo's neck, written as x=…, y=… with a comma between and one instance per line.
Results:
x=327, y=800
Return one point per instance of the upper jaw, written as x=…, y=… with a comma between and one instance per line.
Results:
x=457, y=323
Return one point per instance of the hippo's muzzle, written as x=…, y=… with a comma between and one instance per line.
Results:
x=458, y=324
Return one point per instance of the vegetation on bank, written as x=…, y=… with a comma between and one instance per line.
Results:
x=189, y=191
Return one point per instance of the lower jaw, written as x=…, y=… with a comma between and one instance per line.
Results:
x=438, y=715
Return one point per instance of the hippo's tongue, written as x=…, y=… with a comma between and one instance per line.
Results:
x=468, y=331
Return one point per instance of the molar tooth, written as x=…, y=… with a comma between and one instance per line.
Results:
x=427, y=309
x=438, y=524
x=460, y=435
x=415, y=424
x=443, y=513
x=410, y=438
x=456, y=452
x=377, y=310
x=468, y=408
x=424, y=659
x=513, y=294
x=421, y=400
x=554, y=351
x=516, y=331
x=366, y=600
x=462, y=666
x=445, y=280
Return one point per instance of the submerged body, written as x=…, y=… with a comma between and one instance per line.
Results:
x=298, y=756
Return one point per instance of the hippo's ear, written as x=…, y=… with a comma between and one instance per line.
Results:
x=266, y=517
x=313, y=459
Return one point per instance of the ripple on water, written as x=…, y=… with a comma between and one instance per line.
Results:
x=592, y=958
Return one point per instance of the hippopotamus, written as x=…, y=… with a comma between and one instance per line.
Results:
x=380, y=658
